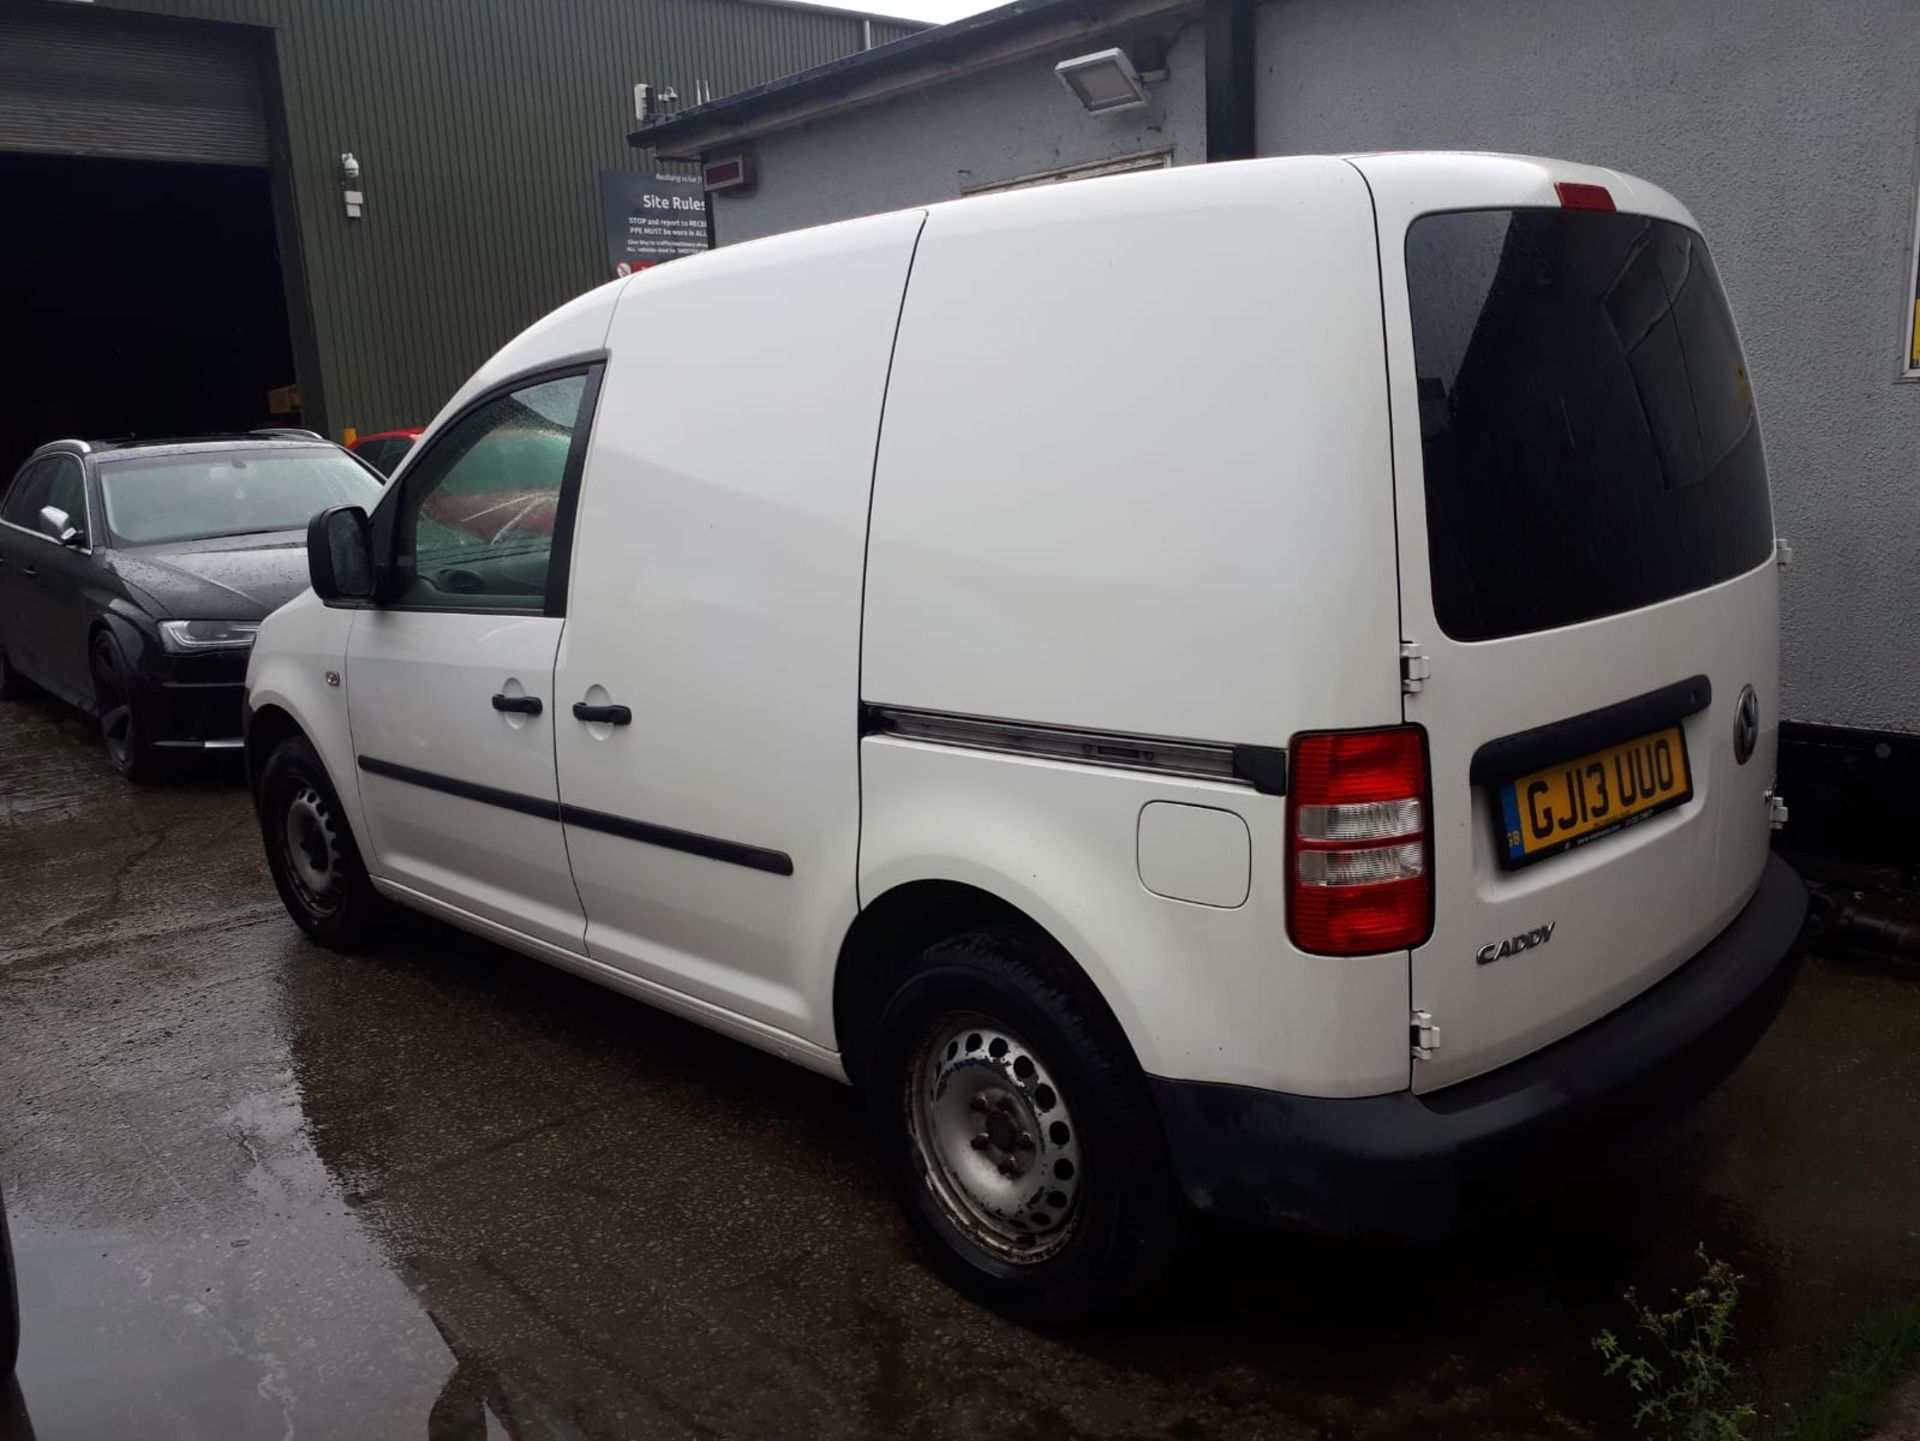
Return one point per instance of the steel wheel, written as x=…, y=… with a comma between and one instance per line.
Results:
x=997, y=1140
x=312, y=851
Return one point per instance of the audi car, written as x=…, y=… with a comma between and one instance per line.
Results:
x=133, y=576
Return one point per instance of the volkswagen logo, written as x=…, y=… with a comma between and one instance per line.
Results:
x=1746, y=725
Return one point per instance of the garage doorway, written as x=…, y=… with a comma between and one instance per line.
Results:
x=142, y=298
x=147, y=221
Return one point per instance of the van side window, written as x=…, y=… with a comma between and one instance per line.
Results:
x=476, y=520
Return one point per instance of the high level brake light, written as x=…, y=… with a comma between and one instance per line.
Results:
x=1578, y=195
x=1359, y=854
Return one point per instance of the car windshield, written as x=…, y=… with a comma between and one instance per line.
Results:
x=204, y=494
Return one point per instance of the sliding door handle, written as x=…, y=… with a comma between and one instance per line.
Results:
x=612, y=715
x=518, y=704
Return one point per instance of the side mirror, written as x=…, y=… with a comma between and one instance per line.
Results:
x=57, y=523
x=340, y=554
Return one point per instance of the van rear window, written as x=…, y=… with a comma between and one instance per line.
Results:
x=1586, y=424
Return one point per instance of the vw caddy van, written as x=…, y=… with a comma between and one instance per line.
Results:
x=1248, y=689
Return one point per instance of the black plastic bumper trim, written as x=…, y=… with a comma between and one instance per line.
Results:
x=1527, y=751
x=1419, y=1165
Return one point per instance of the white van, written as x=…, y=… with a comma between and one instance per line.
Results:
x=1248, y=688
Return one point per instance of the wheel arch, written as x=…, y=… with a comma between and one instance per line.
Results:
x=902, y=922
x=265, y=729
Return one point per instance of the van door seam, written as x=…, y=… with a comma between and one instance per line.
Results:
x=866, y=553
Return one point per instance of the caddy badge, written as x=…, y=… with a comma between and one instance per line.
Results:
x=1513, y=945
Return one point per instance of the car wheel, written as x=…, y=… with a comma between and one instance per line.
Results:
x=1019, y=1132
x=310, y=849
x=13, y=685
x=122, y=728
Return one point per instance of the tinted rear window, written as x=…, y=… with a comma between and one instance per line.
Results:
x=1586, y=423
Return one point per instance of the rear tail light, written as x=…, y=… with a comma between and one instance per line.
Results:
x=1359, y=853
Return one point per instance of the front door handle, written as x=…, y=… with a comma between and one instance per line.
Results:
x=613, y=715
x=518, y=704
x=28, y=571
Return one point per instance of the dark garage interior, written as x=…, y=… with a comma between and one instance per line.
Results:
x=142, y=298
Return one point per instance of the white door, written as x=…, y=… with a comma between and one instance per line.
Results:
x=1587, y=567
x=450, y=683
x=710, y=784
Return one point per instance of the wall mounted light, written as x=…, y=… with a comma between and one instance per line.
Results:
x=1103, y=81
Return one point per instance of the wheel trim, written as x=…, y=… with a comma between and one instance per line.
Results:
x=310, y=847
x=995, y=1138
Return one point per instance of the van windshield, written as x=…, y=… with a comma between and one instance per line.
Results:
x=1586, y=423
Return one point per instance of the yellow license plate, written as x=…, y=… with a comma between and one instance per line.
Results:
x=1576, y=801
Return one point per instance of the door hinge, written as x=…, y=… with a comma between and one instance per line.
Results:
x=1425, y=1034
x=1782, y=551
x=1415, y=668
x=1776, y=811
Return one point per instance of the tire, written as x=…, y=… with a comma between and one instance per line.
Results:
x=13, y=685
x=123, y=730
x=310, y=850
x=1062, y=1199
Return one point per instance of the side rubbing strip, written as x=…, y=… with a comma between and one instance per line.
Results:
x=1525, y=751
x=466, y=790
x=756, y=858
x=1262, y=767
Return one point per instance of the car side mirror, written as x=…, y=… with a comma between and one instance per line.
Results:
x=56, y=523
x=340, y=554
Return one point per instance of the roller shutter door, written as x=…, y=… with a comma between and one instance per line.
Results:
x=88, y=81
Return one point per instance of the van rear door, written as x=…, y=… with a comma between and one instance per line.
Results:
x=1587, y=590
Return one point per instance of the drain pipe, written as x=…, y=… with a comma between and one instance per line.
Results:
x=1839, y=916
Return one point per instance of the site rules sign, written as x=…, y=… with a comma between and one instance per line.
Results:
x=651, y=218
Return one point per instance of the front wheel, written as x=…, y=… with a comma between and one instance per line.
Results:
x=13, y=685
x=1019, y=1131
x=116, y=699
x=310, y=849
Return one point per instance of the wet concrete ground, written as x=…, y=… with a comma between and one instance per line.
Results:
x=259, y=1190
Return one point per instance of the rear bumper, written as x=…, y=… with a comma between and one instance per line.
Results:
x=1416, y=1165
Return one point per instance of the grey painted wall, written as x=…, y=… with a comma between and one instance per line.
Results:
x=999, y=125
x=1788, y=127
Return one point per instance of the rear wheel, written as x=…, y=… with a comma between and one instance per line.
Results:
x=122, y=728
x=310, y=849
x=1019, y=1131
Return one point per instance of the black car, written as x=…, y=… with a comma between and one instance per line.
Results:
x=133, y=576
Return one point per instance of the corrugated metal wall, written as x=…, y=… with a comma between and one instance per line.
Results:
x=481, y=127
